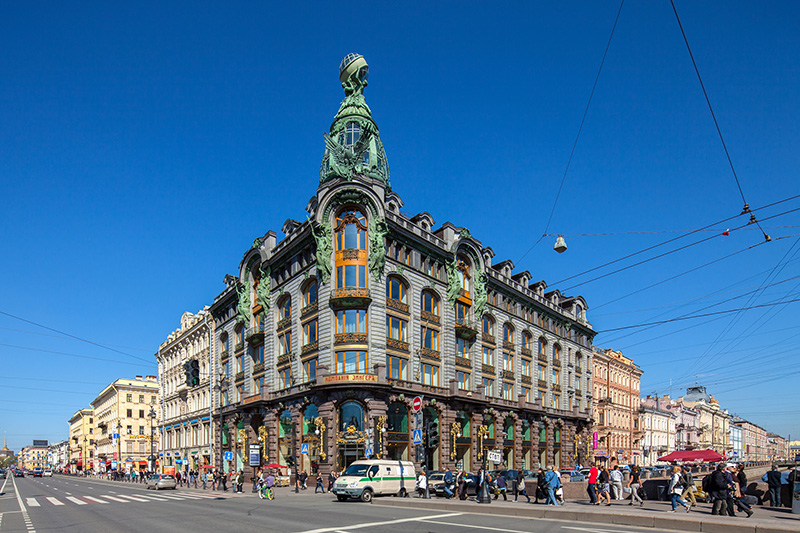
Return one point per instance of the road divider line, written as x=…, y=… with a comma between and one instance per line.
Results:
x=376, y=524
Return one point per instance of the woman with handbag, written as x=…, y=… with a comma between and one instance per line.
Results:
x=676, y=489
x=520, y=487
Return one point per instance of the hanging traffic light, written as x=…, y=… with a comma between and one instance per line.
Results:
x=187, y=373
x=194, y=367
x=432, y=431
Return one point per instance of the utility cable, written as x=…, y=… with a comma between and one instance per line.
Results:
x=74, y=355
x=673, y=240
x=580, y=128
x=746, y=208
x=699, y=316
x=75, y=337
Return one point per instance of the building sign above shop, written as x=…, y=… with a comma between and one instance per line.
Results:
x=339, y=378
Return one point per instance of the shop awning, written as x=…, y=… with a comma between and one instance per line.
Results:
x=692, y=456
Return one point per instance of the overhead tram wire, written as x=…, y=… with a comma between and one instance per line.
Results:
x=578, y=135
x=704, y=228
x=746, y=208
x=670, y=252
x=75, y=337
x=783, y=261
x=668, y=321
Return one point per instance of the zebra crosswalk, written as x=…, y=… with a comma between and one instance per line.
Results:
x=116, y=498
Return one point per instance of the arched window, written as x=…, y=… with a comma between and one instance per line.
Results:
x=351, y=413
x=488, y=327
x=526, y=341
x=285, y=308
x=542, y=348
x=556, y=352
x=508, y=334
x=310, y=293
x=351, y=249
x=397, y=418
x=430, y=303
x=396, y=290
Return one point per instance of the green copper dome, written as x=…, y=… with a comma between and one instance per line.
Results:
x=353, y=147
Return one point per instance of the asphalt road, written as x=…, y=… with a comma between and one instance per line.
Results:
x=71, y=504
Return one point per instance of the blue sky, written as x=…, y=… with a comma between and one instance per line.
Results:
x=145, y=146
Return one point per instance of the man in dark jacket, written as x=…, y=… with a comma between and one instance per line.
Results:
x=719, y=490
x=773, y=479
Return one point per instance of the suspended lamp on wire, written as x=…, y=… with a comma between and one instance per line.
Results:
x=560, y=245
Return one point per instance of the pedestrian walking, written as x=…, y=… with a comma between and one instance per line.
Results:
x=331, y=480
x=205, y=478
x=675, y=490
x=319, y=486
x=603, y=485
x=634, y=484
x=519, y=486
x=448, y=483
x=616, y=482
x=422, y=485
x=717, y=485
x=736, y=497
x=552, y=482
x=541, y=491
x=224, y=480
x=462, y=485
x=591, y=487
x=501, y=488
x=688, y=486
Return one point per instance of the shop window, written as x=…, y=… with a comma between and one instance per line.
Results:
x=397, y=418
x=351, y=413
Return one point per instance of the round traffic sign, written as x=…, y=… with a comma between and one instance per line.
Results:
x=416, y=404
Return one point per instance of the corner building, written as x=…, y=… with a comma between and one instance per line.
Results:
x=324, y=339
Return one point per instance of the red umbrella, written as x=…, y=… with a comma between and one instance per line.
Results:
x=693, y=456
x=275, y=465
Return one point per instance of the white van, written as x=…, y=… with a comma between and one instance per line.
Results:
x=375, y=477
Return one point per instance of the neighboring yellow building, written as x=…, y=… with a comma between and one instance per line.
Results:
x=123, y=420
x=81, y=441
x=33, y=456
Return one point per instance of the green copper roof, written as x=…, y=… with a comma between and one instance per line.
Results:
x=353, y=147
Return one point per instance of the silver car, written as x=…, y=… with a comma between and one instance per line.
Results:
x=161, y=481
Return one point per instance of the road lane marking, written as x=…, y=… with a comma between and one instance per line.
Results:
x=114, y=499
x=490, y=528
x=54, y=501
x=133, y=498
x=177, y=498
x=375, y=524
x=75, y=500
x=155, y=498
x=93, y=499
x=32, y=502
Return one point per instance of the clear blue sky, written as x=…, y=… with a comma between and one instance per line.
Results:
x=143, y=147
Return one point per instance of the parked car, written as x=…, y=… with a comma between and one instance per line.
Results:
x=19, y=473
x=38, y=471
x=47, y=473
x=575, y=475
x=436, y=484
x=161, y=481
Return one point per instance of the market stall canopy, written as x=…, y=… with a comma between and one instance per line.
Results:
x=274, y=465
x=692, y=456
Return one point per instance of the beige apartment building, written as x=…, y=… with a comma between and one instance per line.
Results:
x=34, y=456
x=713, y=421
x=615, y=408
x=81, y=441
x=755, y=446
x=126, y=420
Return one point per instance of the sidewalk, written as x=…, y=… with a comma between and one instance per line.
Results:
x=654, y=514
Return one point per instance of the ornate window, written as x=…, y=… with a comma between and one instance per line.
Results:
x=556, y=377
x=543, y=373
x=285, y=308
x=542, y=348
x=285, y=343
x=488, y=386
x=351, y=413
x=351, y=362
x=397, y=367
x=488, y=326
x=310, y=332
x=350, y=135
x=556, y=352
x=508, y=362
x=396, y=290
x=351, y=249
x=525, y=367
x=396, y=328
x=508, y=334
x=310, y=369
x=464, y=275
x=462, y=348
x=526, y=391
x=430, y=303
x=429, y=338
x=310, y=293
x=488, y=356
x=285, y=378
x=430, y=374
x=351, y=321
x=463, y=380
x=508, y=391
x=462, y=313
x=225, y=342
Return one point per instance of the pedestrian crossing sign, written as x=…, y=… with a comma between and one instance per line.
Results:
x=417, y=436
x=228, y=456
x=304, y=449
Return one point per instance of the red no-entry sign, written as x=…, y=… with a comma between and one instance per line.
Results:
x=416, y=404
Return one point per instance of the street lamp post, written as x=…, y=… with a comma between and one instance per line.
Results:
x=152, y=415
x=84, y=456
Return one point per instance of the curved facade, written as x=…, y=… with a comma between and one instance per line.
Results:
x=325, y=338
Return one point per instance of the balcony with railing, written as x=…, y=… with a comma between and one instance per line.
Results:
x=350, y=297
x=258, y=368
x=430, y=354
x=350, y=338
x=428, y=316
x=508, y=346
x=526, y=380
x=395, y=344
x=542, y=357
x=463, y=362
x=542, y=384
x=466, y=329
x=508, y=375
x=254, y=335
x=309, y=309
x=310, y=347
x=396, y=305
x=526, y=351
x=487, y=370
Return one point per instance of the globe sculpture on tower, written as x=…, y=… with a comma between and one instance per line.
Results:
x=353, y=147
